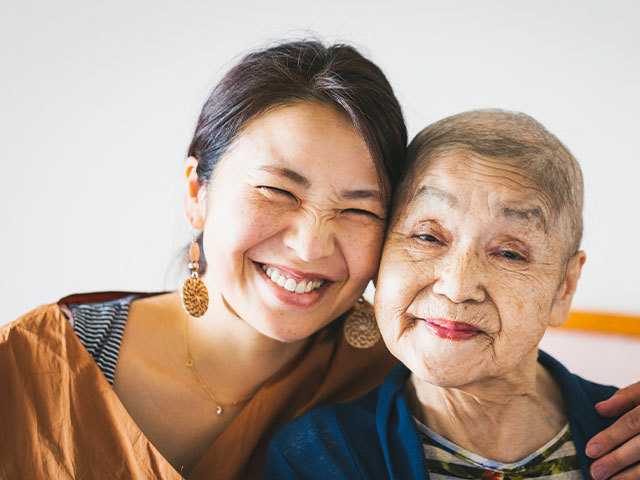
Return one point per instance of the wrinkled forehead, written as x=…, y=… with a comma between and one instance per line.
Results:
x=459, y=181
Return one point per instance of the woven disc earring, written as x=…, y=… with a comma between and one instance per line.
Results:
x=195, y=296
x=360, y=328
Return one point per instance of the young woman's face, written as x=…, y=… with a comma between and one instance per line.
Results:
x=294, y=222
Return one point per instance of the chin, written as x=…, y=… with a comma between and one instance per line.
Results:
x=441, y=376
x=283, y=334
x=446, y=368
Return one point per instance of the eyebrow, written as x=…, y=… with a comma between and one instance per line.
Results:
x=361, y=194
x=288, y=173
x=435, y=192
x=530, y=215
x=533, y=215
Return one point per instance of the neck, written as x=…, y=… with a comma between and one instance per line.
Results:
x=233, y=357
x=503, y=419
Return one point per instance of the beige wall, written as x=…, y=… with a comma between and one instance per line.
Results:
x=609, y=359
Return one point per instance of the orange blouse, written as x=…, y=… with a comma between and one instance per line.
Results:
x=60, y=418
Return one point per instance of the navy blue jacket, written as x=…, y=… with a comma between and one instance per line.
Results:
x=375, y=436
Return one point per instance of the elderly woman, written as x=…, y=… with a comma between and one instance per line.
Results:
x=482, y=256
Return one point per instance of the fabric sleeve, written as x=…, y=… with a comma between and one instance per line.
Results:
x=277, y=467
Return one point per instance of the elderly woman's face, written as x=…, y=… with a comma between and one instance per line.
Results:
x=472, y=272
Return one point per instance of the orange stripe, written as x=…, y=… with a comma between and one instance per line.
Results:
x=604, y=323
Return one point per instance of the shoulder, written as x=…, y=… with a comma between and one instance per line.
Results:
x=574, y=386
x=325, y=442
x=38, y=353
x=98, y=317
x=331, y=421
x=580, y=397
x=596, y=392
x=50, y=327
x=41, y=321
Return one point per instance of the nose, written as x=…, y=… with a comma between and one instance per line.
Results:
x=311, y=237
x=460, y=277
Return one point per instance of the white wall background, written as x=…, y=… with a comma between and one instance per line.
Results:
x=98, y=101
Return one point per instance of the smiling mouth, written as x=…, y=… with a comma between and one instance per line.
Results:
x=450, y=330
x=293, y=285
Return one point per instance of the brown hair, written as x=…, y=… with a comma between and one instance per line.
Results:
x=291, y=72
x=337, y=75
x=517, y=140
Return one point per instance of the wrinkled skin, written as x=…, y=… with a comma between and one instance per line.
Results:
x=476, y=245
x=469, y=264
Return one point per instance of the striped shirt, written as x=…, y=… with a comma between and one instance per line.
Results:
x=444, y=460
x=100, y=327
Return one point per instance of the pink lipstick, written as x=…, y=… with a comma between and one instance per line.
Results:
x=451, y=330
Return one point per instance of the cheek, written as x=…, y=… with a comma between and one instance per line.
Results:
x=402, y=277
x=399, y=284
x=232, y=229
x=523, y=302
x=361, y=247
x=237, y=222
x=524, y=316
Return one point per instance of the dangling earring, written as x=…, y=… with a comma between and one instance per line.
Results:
x=360, y=328
x=195, y=296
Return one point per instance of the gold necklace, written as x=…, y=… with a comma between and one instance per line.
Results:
x=191, y=365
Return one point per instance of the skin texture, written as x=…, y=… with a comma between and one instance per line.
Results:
x=474, y=242
x=252, y=212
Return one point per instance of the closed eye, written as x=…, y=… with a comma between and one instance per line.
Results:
x=360, y=211
x=277, y=191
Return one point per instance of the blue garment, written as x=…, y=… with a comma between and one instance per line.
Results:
x=375, y=437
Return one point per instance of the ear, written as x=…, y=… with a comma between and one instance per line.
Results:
x=567, y=288
x=195, y=200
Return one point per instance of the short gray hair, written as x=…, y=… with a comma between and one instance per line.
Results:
x=517, y=140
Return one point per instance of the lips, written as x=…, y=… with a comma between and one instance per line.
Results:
x=450, y=330
x=280, y=289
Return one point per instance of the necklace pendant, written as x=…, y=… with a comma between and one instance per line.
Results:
x=219, y=410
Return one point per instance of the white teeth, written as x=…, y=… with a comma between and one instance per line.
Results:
x=289, y=283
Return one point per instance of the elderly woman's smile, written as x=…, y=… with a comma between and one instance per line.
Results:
x=451, y=330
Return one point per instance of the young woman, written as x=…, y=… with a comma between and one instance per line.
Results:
x=289, y=177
